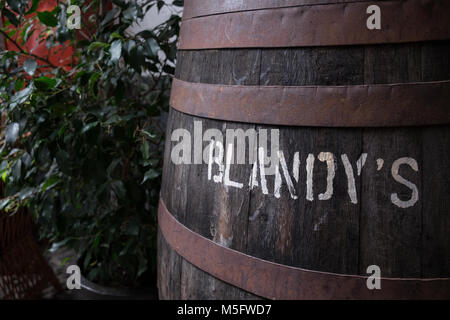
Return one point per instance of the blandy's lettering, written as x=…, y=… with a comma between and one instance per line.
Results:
x=282, y=174
x=268, y=161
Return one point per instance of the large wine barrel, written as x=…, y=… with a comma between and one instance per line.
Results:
x=354, y=203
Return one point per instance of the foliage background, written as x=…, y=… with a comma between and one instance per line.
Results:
x=83, y=143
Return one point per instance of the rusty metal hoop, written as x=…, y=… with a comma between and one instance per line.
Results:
x=381, y=105
x=261, y=25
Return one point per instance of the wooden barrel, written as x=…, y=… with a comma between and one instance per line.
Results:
x=349, y=196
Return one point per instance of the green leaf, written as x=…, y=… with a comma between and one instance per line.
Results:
x=47, y=18
x=129, y=45
x=64, y=261
x=119, y=189
x=96, y=45
x=151, y=47
x=145, y=149
x=119, y=92
x=137, y=58
x=148, y=134
x=4, y=203
x=44, y=83
x=146, y=34
x=19, y=84
x=89, y=126
x=16, y=5
x=63, y=161
x=130, y=14
x=133, y=227
x=116, y=35
x=115, y=50
x=160, y=4
x=25, y=193
x=92, y=275
x=12, y=133
x=13, y=152
x=21, y=96
x=110, y=16
x=143, y=265
x=50, y=183
x=12, y=33
x=16, y=170
x=87, y=260
x=97, y=240
x=168, y=69
x=56, y=245
x=93, y=81
x=151, y=162
x=112, y=166
x=120, y=3
x=34, y=6
x=125, y=249
x=26, y=160
x=29, y=66
x=3, y=166
x=62, y=130
x=150, y=174
x=27, y=33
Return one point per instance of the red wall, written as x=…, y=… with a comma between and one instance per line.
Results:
x=61, y=55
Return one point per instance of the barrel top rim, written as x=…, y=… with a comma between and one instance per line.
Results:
x=193, y=9
x=327, y=24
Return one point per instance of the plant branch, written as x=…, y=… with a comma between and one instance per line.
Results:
x=22, y=51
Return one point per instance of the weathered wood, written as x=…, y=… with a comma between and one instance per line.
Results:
x=341, y=234
x=327, y=230
x=219, y=214
x=390, y=237
x=174, y=195
x=198, y=285
x=169, y=270
x=435, y=61
x=392, y=64
x=312, y=66
x=435, y=173
x=436, y=202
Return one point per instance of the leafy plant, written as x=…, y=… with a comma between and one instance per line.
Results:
x=83, y=142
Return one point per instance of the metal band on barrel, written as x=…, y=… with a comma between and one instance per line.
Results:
x=275, y=281
x=333, y=24
x=201, y=8
x=383, y=105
